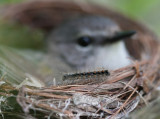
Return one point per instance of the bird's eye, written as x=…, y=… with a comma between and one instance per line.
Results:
x=84, y=41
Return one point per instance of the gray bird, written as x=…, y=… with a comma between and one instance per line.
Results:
x=88, y=42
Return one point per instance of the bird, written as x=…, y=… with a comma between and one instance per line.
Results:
x=64, y=23
x=89, y=42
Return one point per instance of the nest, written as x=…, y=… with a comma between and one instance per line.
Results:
x=117, y=95
x=90, y=94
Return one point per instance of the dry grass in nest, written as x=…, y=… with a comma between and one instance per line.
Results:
x=116, y=96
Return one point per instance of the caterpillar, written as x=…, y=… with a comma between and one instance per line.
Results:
x=85, y=77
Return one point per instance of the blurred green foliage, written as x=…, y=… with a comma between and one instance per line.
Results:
x=19, y=36
x=9, y=1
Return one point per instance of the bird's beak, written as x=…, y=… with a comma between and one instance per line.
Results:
x=120, y=36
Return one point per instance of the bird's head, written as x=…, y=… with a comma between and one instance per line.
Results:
x=90, y=42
